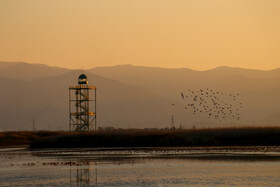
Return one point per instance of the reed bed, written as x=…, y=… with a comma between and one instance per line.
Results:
x=246, y=136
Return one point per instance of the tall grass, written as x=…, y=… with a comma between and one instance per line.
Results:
x=247, y=136
x=15, y=138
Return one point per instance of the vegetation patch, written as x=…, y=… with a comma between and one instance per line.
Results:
x=248, y=136
x=257, y=136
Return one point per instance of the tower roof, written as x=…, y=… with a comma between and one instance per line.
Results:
x=82, y=76
x=82, y=79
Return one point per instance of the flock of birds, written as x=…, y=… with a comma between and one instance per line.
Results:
x=215, y=104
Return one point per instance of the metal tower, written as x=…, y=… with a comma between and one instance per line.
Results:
x=81, y=119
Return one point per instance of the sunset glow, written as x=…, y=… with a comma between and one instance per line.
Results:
x=197, y=34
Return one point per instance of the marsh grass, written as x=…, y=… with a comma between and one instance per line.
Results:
x=247, y=136
x=15, y=138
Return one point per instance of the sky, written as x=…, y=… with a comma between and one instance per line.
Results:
x=197, y=34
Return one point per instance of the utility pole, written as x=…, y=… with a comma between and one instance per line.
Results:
x=33, y=124
x=172, y=122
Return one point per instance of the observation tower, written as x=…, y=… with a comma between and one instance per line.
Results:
x=80, y=117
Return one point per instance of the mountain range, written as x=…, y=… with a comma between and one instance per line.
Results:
x=133, y=96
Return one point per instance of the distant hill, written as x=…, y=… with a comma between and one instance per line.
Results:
x=259, y=90
x=133, y=96
x=27, y=72
x=182, y=76
x=46, y=100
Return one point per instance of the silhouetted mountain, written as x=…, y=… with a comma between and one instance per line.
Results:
x=27, y=72
x=4, y=65
x=132, y=96
x=46, y=100
x=259, y=90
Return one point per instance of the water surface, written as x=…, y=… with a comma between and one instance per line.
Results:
x=220, y=166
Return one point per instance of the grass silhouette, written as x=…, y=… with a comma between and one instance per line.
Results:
x=246, y=136
x=258, y=136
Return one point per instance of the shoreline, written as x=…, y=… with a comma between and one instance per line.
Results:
x=241, y=153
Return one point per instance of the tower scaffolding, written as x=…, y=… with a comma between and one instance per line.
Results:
x=80, y=117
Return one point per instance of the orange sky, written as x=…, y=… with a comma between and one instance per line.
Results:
x=198, y=34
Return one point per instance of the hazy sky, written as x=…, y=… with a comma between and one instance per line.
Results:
x=198, y=34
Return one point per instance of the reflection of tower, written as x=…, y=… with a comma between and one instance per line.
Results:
x=81, y=119
x=83, y=174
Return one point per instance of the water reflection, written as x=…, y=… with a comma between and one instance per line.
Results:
x=82, y=174
x=195, y=167
x=166, y=167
